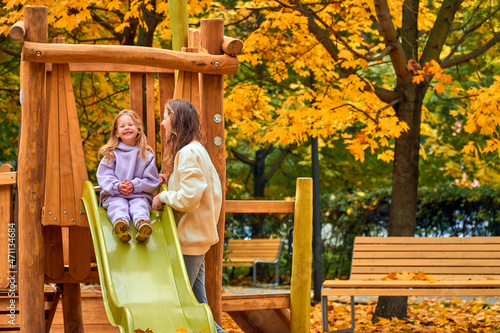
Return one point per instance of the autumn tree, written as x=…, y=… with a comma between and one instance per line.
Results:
x=376, y=64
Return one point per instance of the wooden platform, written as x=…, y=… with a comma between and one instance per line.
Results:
x=264, y=312
x=94, y=315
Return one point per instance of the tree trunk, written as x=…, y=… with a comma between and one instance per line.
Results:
x=402, y=216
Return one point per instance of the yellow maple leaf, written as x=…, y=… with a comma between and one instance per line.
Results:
x=418, y=79
x=390, y=276
x=439, y=88
x=181, y=329
x=405, y=276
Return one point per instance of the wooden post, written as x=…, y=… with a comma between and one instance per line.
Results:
x=300, y=290
x=212, y=118
x=30, y=183
x=72, y=310
x=7, y=231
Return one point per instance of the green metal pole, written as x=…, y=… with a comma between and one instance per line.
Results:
x=179, y=25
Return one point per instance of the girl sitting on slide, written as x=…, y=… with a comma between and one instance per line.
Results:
x=128, y=177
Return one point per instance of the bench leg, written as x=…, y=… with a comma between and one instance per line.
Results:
x=324, y=313
x=277, y=272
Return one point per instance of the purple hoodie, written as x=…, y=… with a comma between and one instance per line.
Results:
x=128, y=165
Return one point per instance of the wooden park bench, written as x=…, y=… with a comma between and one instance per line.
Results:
x=453, y=266
x=251, y=252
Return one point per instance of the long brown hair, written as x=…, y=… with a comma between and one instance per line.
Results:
x=186, y=127
x=108, y=150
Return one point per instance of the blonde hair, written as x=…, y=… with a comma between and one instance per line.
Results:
x=186, y=127
x=108, y=150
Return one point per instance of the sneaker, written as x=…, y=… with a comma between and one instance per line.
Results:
x=143, y=230
x=121, y=230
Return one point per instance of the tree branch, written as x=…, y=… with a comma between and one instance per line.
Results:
x=409, y=32
x=440, y=30
x=9, y=52
x=469, y=56
x=467, y=32
x=242, y=158
x=391, y=38
x=277, y=164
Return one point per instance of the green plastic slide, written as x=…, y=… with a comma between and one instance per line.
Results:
x=144, y=285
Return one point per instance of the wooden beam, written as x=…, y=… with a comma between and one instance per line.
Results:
x=17, y=31
x=259, y=206
x=113, y=68
x=230, y=46
x=30, y=182
x=132, y=55
x=8, y=178
x=246, y=324
x=248, y=302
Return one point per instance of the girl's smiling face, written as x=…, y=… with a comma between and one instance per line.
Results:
x=126, y=130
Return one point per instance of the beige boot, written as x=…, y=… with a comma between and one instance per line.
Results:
x=144, y=229
x=121, y=230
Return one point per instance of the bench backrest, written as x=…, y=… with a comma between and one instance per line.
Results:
x=450, y=258
x=253, y=249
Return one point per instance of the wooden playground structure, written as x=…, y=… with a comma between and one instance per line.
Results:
x=51, y=239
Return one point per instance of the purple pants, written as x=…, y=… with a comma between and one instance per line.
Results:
x=122, y=208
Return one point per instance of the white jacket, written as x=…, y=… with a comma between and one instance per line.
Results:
x=195, y=194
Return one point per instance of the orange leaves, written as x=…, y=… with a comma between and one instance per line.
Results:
x=143, y=331
x=409, y=276
x=427, y=315
x=413, y=66
x=431, y=69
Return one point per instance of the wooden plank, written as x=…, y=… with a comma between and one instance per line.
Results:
x=93, y=277
x=441, y=262
x=411, y=284
x=150, y=111
x=259, y=206
x=455, y=292
x=426, y=255
x=188, y=86
x=7, y=231
x=136, y=95
x=133, y=55
x=194, y=39
x=113, y=68
x=166, y=83
x=428, y=240
x=72, y=307
x=30, y=182
x=369, y=276
x=79, y=170
x=244, y=302
x=80, y=252
x=52, y=209
x=429, y=270
x=426, y=248
x=284, y=315
x=8, y=178
x=54, y=262
x=241, y=319
x=65, y=180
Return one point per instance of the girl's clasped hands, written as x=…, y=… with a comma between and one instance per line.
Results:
x=126, y=187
